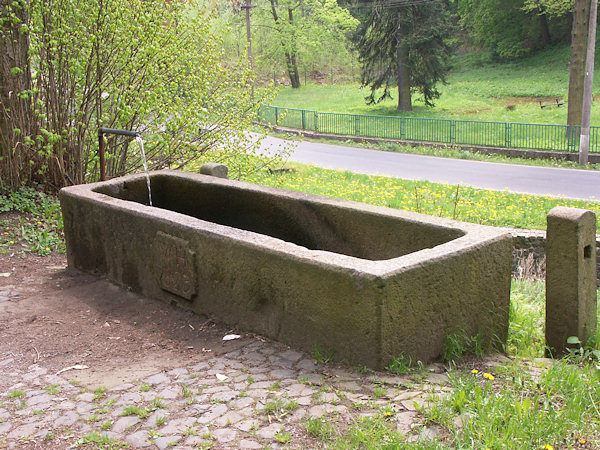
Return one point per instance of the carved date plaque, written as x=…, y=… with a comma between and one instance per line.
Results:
x=175, y=265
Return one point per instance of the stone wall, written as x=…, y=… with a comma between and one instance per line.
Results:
x=529, y=253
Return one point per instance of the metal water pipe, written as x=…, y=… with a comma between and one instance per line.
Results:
x=101, y=132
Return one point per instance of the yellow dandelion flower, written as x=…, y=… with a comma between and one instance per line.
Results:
x=582, y=441
x=475, y=371
x=12, y=242
x=489, y=376
x=548, y=447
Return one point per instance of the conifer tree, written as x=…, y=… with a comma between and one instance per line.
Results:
x=404, y=43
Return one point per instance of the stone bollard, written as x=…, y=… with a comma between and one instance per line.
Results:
x=214, y=169
x=570, y=277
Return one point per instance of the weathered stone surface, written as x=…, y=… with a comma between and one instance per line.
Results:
x=238, y=423
x=169, y=393
x=212, y=414
x=270, y=431
x=228, y=418
x=214, y=169
x=159, y=378
x=571, y=303
x=404, y=421
x=129, y=398
x=4, y=427
x=225, y=435
x=121, y=387
x=247, y=425
x=248, y=444
x=24, y=431
x=307, y=365
x=86, y=397
x=164, y=442
x=291, y=355
x=138, y=439
x=39, y=399
x=225, y=396
x=359, y=258
x=124, y=423
x=67, y=419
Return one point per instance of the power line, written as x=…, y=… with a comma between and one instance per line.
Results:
x=375, y=4
x=390, y=4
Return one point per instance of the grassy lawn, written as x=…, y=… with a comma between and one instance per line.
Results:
x=451, y=201
x=489, y=92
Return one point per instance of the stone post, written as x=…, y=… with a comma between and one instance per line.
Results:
x=570, y=277
x=215, y=170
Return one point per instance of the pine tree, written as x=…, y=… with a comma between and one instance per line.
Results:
x=403, y=43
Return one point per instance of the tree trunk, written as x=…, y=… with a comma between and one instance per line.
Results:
x=292, y=63
x=293, y=70
x=404, y=100
x=579, y=35
x=290, y=55
x=545, y=29
x=15, y=110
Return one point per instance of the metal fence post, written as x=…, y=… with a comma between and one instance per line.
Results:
x=527, y=136
x=507, y=135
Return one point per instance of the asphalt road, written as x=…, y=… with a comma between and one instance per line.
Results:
x=555, y=182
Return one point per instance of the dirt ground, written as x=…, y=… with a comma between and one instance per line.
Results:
x=59, y=318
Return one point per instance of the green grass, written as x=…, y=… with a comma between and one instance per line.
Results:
x=522, y=409
x=375, y=433
x=463, y=203
x=527, y=306
x=142, y=413
x=52, y=389
x=320, y=428
x=475, y=91
x=97, y=440
x=16, y=394
x=520, y=404
x=279, y=408
x=99, y=393
x=35, y=224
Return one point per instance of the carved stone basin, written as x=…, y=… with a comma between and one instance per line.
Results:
x=367, y=282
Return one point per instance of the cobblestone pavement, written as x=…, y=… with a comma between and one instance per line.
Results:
x=263, y=395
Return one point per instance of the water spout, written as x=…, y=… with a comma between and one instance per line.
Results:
x=140, y=142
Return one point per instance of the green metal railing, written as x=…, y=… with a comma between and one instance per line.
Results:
x=442, y=131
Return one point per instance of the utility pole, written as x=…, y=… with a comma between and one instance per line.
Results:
x=247, y=7
x=584, y=138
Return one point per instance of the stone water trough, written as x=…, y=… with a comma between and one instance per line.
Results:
x=366, y=282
